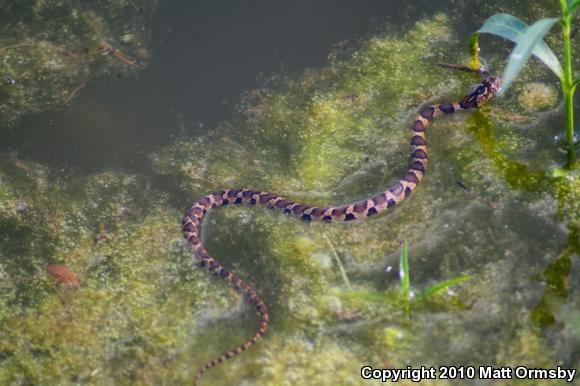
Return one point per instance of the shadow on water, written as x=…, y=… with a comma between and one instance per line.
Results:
x=516, y=174
x=519, y=177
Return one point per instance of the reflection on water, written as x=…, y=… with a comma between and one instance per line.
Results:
x=207, y=113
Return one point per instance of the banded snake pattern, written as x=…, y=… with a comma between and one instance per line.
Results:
x=357, y=210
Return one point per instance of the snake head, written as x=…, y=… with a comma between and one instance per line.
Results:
x=482, y=93
x=493, y=84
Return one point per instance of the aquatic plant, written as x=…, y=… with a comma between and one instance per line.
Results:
x=405, y=277
x=405, y=295
x=529, y=42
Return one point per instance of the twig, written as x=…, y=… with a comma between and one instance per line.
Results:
x=481, y=70
x=462, y=186
x=106, y=49
x=73, y=93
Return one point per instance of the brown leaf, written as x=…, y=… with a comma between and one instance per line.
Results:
x=62, y=274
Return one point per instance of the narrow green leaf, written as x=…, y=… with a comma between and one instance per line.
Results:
x=405, y=278
x=426, y=294
x=572, y=4
x=511, y=28
x=524, y=48
x=404, y=271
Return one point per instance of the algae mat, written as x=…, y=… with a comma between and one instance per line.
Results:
x=144, y=313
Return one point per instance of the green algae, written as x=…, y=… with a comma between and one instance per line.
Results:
x=537, y=96
x=146, y=315
x=289, y=124
x=51, y=49
x=113, y=328
x=6, y=200
x=278, y=145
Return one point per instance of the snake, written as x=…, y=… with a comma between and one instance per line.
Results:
x=365, y=208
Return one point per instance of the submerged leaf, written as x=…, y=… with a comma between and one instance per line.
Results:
x=62, y=274
x=369, y=296
x=511, y=28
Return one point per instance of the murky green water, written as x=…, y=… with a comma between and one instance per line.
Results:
x=102, y=150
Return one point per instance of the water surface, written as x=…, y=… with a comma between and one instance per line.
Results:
x=312, y=100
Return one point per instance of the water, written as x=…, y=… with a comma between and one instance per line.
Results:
x=271, y=96
x=204, y=56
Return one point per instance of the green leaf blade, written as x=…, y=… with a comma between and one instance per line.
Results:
x=405, y=278
x=504, y=25
x=524, y=49
x=429, y=292
x=572, y=4
x=511, y=28
x=404, y=271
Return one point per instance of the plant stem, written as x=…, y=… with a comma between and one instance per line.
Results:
x=568, y=86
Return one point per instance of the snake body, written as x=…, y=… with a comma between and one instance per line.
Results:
x=364, y=208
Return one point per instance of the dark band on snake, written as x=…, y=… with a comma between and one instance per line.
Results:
x=365, y=208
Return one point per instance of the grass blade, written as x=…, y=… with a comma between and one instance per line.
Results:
x=572, y=4
x=405, y=278
x=511, y=28
x=429, y=292
x=404, y=270
x=524, y=48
